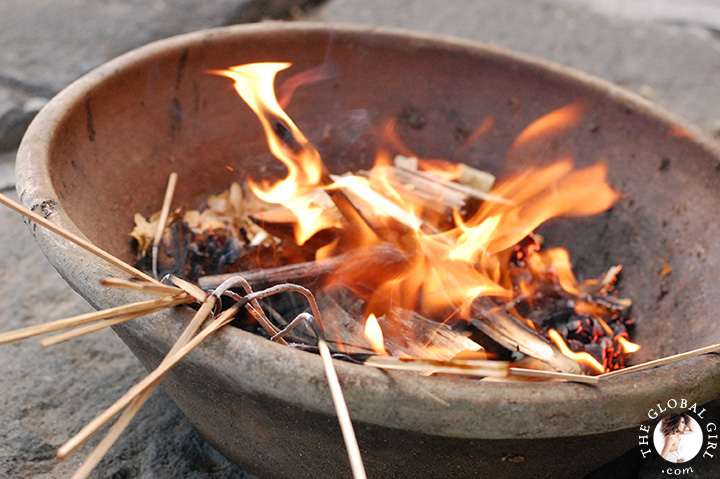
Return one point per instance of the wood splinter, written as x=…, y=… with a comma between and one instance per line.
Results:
x=494, y=321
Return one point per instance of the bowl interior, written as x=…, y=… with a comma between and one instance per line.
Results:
x=113, y=154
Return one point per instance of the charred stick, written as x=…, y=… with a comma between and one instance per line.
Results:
x=374, y=202
x=514, y=335
x=301, y=273
x=378, y=256
x=346, y=207
x=285, y=135
x=411, y=333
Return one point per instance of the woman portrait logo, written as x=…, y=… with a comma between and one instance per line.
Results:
x=678, y=438
x=682, y=436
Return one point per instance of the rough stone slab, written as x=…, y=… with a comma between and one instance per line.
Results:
x=7, y=173
x=703, y=13
x=16, y=113
x=46, y=44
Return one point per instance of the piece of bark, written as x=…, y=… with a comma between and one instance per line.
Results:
x=465, y=174
x=478, y=179
x=514, y=335
x=374, y=206
x=411, y=333
x=430, y=185
x=405, y=332
x=434, y=207
x=466, y=191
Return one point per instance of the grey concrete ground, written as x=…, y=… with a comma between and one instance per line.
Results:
x=667, y=50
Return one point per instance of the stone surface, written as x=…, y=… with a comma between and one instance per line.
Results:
x=46, y=44
x=664, y=49
x=16, y=113
x=46, y=395
x=7, y=170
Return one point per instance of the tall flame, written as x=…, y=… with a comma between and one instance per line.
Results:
x=254, y=83
x=445, y=268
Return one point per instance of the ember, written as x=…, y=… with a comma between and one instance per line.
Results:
x=414, y=258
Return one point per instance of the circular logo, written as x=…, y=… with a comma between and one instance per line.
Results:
x=678, y=438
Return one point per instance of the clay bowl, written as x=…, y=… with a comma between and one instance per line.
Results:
x=103, y=148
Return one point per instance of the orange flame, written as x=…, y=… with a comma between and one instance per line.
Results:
x=628, y=347
x=374, y=335
x=551, y=123
x=447, y=267
x=254, y=83
x=582, y=358
x=556, y=260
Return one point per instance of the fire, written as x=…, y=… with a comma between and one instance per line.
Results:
x=556, y=259
x=254, y=84
x=450, y=259
x=555, y=121
x=628, y=346
x=374, y=335
x=583, y=357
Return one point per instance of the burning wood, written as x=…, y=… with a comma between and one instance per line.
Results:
x=369, y=266
x=408, y=333
x=440, y=243
x=508, y=331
